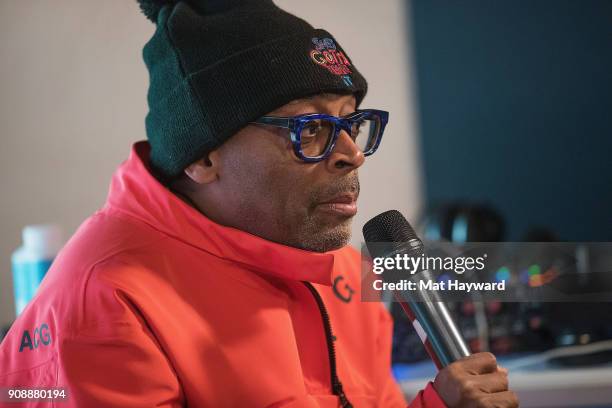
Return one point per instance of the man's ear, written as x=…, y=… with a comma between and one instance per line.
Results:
x=205, y=170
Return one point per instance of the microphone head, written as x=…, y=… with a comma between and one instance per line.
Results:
x=392, y=229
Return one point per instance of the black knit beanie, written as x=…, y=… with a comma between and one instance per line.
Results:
x=216, y=65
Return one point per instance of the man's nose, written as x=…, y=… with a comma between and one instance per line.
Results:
x=346, y=155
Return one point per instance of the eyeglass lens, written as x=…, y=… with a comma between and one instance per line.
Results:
x=317, y=134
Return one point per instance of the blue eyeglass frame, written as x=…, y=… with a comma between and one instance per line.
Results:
x=296, y=124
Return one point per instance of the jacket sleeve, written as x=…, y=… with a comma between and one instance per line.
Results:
x=112, y=358
x=427, y=398
x=391, y=394
x=122, y=367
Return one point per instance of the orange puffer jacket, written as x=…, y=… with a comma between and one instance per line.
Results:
x=151, y=304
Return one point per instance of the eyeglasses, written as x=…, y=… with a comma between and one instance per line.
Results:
x=314, y=135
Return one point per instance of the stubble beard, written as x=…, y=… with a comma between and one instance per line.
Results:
x=316, y=235
x=312, y=238
x=309, y=229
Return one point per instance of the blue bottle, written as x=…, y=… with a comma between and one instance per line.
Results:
x=30, y=262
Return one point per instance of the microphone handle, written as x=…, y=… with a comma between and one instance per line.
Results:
x=434, y=325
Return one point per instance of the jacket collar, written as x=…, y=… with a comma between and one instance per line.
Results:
x=135, y=192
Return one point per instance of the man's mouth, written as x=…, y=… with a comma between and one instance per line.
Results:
x=343, y=204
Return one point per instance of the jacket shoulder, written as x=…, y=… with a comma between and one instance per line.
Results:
x=75, y=294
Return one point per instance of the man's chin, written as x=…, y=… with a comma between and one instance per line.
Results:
x=328, y=239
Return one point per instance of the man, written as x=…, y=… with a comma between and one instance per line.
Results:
x=206, y=279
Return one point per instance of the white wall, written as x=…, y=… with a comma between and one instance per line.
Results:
x=72, y=100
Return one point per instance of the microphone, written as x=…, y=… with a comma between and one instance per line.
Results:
x=426, y=311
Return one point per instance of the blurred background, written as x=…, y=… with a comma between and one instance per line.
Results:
x=500, y=130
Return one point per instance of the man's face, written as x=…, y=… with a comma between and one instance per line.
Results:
x=264, y=189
